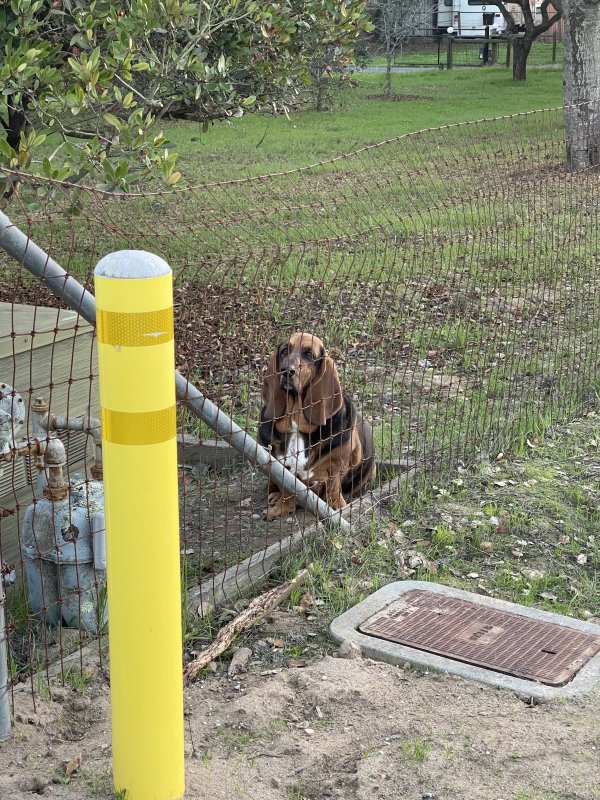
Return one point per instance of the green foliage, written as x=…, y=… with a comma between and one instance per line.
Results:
x=94, y=77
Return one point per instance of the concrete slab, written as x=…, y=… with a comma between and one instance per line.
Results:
x=345, y=629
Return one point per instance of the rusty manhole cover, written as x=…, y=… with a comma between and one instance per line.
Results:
x=497, y=640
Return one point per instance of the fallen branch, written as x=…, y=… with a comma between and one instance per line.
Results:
x=256, y=610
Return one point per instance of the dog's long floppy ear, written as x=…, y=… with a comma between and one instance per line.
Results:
x=324, y=395
x=273, y=395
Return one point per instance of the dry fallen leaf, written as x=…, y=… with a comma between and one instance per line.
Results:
x=73, y=765
x=297, y=662
x=307, y=602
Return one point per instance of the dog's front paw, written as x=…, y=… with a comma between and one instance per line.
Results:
x=273, y=498
x=337, y=502
x=280, y=508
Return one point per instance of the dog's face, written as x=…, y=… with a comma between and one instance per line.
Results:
x=299, y=361
x=300, y=370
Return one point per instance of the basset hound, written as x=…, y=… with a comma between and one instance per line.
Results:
x=311, y=426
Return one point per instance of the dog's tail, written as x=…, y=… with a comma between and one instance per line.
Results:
x=357, y=479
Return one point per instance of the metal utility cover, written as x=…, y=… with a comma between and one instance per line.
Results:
x=499, y=640
x=475, y=637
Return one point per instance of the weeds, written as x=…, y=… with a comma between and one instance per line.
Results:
x=415, y=751
x=77, y=679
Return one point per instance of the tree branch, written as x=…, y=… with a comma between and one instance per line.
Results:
x=511, y=25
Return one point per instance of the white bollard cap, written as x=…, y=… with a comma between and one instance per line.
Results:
x=131, y=264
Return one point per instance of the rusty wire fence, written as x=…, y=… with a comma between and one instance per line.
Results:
x=453, y=274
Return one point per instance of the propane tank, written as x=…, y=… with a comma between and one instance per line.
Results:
x=58, y=545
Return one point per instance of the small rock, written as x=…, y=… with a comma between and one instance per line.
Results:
x=308, y=731
x=582, y=559
x=80, y=703
x=349, y=650
x=239, y=661
x=59, y=693
x=533, y=574
x=30, y=719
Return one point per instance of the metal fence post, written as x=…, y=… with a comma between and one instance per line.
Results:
x=449, y=46
x=136, y=359
x=4, y=689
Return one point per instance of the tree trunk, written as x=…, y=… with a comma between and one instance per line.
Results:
x=581, y=83
x=521, y=47
x=15, y=123
x=388, y=78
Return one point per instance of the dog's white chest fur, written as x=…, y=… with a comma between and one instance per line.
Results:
x=296, y=457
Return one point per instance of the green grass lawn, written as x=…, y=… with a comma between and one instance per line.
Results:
x=259, y=144
x=389, y=226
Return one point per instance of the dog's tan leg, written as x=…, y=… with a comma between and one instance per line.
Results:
x=335, y=498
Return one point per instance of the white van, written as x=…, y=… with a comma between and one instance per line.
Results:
x=469, y=18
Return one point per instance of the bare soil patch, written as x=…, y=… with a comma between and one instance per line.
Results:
x=336, y=728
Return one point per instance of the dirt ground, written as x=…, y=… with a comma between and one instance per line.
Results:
x=336, y=727
x=299, y=723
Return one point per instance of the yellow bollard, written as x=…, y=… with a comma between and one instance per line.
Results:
x=134, y=299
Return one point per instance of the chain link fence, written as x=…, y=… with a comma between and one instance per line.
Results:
x=453, y=275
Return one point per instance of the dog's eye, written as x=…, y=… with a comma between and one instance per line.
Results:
x=283, y=351
x=308, y=355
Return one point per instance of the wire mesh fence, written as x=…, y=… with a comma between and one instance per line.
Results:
x=451, y=274
x=429, y=49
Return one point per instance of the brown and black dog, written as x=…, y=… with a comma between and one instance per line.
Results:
x=311, y=426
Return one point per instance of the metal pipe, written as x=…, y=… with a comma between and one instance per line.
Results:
x=55, y=458
x=28, y=448
x=4, y=686
x=39, y=263
x=86, y=424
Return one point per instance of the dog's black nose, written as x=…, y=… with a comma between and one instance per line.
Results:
x=290, y=371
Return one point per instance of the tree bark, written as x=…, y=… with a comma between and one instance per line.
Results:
x=521, y=48
x=581, y=84
x=388, y=78
x=15, y=123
